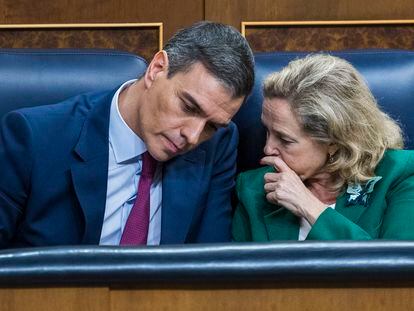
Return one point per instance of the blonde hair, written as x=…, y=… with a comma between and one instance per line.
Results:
x=334, y=105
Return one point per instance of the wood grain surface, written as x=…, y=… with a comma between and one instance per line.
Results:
x=173, y=14
x=315, y=38
x=233, y=12
x=191, y=298
x=140, y=41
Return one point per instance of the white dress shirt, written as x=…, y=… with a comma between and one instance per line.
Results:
x=124, y=171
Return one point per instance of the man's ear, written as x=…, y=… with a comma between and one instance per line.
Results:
x=159, y=64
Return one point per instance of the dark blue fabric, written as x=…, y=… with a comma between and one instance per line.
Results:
x=54, y=158
x=47, y=155
x=389, y=73
x=54, y=164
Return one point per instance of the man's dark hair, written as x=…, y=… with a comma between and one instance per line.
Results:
x=220, y=48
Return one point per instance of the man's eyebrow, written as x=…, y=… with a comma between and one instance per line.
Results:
x=193, y=101
x=198, y=109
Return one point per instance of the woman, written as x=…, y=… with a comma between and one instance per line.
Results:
x=334, y=165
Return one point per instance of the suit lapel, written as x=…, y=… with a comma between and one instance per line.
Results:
x=90, y=174
x=352, y=212
x=180, y=195
x=280, y=224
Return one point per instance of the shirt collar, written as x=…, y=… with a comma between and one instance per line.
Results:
x=125, y=143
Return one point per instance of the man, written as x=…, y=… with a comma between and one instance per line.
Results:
x=75, y=172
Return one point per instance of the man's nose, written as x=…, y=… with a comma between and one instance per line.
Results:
x=193, y=131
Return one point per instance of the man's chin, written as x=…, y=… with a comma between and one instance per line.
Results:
x=163, y=155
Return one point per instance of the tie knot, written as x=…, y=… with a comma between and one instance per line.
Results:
x=149, y=164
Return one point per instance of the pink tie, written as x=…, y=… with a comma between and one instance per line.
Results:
x=136, y=227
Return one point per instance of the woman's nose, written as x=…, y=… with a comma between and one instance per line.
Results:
x=271, y=148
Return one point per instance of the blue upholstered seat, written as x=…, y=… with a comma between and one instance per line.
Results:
x=30, y=77
x=44, y=76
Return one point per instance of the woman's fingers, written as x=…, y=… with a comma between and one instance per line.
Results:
x=275, y=162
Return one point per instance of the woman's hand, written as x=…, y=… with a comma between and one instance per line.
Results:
x=286, y=188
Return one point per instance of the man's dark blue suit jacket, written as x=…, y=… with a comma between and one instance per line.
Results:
x=54, y=169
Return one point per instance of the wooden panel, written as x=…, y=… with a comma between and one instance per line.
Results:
x=193, y=297
x=144, y=41
x=234, y=12
x=287, y=299
x=59, y=299
x=173, y=14
x=328, y=37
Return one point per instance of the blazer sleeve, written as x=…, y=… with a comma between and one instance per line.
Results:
x=397, y=221
x=216, y=219
x=399, y=216
x=332, y=225
x=16, y=150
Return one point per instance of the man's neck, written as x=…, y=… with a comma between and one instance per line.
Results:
x=128, y=104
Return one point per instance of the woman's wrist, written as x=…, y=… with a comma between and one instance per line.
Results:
x=312, y=214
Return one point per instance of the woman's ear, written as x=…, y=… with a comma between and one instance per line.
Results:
x=332, y=149
x=158, y=65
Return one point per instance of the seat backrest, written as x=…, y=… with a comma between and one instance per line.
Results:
x=389, y=73
x=31, y=77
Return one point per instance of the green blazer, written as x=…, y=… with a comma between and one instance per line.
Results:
x=388, y=212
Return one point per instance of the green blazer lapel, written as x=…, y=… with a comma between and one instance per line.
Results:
x=280, y=223
x=352, y=212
